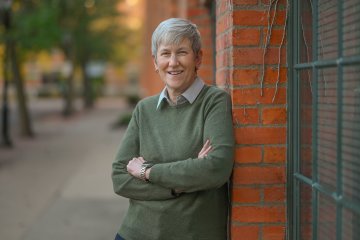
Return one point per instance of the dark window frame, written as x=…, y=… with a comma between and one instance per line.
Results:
x=294, y=175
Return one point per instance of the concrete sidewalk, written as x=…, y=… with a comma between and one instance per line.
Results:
x=58, y=185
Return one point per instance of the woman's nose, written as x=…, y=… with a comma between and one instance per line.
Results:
x=173, y=60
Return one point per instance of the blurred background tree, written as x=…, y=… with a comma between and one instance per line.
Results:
x=12, y=71
x=88, y=32
x=85, y=30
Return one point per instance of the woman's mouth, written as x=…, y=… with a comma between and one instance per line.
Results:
x=174, y=72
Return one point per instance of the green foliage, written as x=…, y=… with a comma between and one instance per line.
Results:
x=123, y=120
x=35, y=26
x=93, y=28
x=85, y=29
x=132, y=99
x=98, y=84
x=48, y=92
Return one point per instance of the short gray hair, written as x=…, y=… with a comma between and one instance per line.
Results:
x=173, y=31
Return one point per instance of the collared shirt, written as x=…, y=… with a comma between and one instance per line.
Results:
x=189, y=95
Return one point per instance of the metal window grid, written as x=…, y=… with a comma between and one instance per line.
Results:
x=294, y=175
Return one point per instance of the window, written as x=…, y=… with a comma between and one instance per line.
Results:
x=324, y=120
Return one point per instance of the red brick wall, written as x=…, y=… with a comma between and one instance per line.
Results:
x=258, y=194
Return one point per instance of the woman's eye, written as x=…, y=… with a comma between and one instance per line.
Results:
x=182, y=53
x=165, y=54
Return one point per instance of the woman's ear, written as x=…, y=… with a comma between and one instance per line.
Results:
x=155, y=63
x=198, y=59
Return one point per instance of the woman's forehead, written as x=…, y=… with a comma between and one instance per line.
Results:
x=184, y=43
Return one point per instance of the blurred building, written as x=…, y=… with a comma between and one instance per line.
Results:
x=296, y=109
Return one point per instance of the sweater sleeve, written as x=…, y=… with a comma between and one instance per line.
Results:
x=123, y=183
x=213, y=171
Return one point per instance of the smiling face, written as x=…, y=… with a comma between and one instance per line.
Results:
x=177, y=65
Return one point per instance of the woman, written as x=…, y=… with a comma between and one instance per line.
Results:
x=177, y=153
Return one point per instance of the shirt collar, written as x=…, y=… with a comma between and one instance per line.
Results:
x=190, y=94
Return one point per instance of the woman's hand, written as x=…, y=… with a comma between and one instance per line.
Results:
x=205, y=149
x=134, y=166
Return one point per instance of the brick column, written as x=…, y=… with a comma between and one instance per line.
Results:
x=258, y=193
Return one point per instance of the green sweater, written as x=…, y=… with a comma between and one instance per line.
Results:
x=171, y=137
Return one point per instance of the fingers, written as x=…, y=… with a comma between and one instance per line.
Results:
x=141, y=159
x=134, y=166
x=138, y=160
x=205, y=149
x=130, y=166
x=206, y=145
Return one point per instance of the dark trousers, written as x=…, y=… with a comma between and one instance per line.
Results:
x=118, y=237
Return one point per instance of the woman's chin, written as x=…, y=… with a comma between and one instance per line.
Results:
x=174, y=83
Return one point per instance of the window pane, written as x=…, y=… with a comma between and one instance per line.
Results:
x=351, y=133
x=305, y=212
x=306, y=123
x=350, y=226
x=327, y=110
x=305, y=31
x=323, y=124
x=351, y=27
x=327, y=29
x=327, y=218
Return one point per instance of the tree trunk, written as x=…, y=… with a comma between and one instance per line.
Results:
x=88, y=93
x=5, y=124
x=69, y=95
x=25, y=122
x=68, y=88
